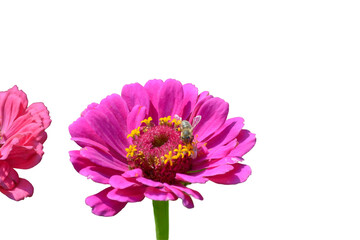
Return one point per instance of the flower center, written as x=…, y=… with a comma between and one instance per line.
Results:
x=159, y=151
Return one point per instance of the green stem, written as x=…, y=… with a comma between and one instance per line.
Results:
x=161, y=215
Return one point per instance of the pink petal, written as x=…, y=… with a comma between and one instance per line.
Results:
x=90, y=107
x=202, y=98
x=135, y=117
x=153, y=87
x=8, y=176
x=118, y=108
x=170, y=98
x=83, y=134
x=22, y=190
x=229, y=131
x=12, y=104
x=102, y=206
x=159, y=195
x=103, y=159
x=135, y=94
x=131, y=194
x=221, y=151
x=213, y=115
x=189, y=100
x=238, y=175
x=133, y=173
x=121, y=182
x=189, y=191
x=88, y=169
x=25, y=157
x=148, y=182
x=246, y=141
x=215, y=163
x=190, y=179
x=187, y=201
x=106, y=127
x=40, y=114
x=214, y=171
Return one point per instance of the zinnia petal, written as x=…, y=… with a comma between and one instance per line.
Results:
x=239, y=174
x=213, y=115
x=22, y=190
x=22, y=133
x=103, y=206
x=159, y=195
x=170, y=98
x=135, y=94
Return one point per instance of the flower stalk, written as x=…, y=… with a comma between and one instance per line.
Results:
x=161, y=215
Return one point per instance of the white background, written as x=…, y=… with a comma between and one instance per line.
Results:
x=289, y=68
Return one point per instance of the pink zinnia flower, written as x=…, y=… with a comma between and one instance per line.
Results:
x=137, y=144
x=22, y=133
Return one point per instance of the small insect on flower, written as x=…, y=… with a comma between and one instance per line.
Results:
x=187, y=129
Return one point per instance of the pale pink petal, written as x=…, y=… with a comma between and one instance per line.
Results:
x=213, y=115
x=8, y=176
x=12, y=104
x=39, y=113
x=103, y=206
x=170, y=98
x=22, y=190
x=131, y=194
x=135, y=94
x=159, y=194
x=25, y=157
x=238, y=175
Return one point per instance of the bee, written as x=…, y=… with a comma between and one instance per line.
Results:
x=187, y=129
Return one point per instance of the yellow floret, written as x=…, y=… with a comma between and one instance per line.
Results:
x=131, y=150
x=134, y=132
x=168, y=157
x=147, y=121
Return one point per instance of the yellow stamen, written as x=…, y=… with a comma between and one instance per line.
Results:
x=179, y=151
x=168, y=157
x=134, y=132
x=131, y=150
x=147, y=121
x=165, y=120
x=176, y=122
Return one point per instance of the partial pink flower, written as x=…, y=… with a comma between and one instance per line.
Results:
x=136, y=145
x=22, y=134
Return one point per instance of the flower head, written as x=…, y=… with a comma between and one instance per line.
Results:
x=155, y=140
x=22, y=133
